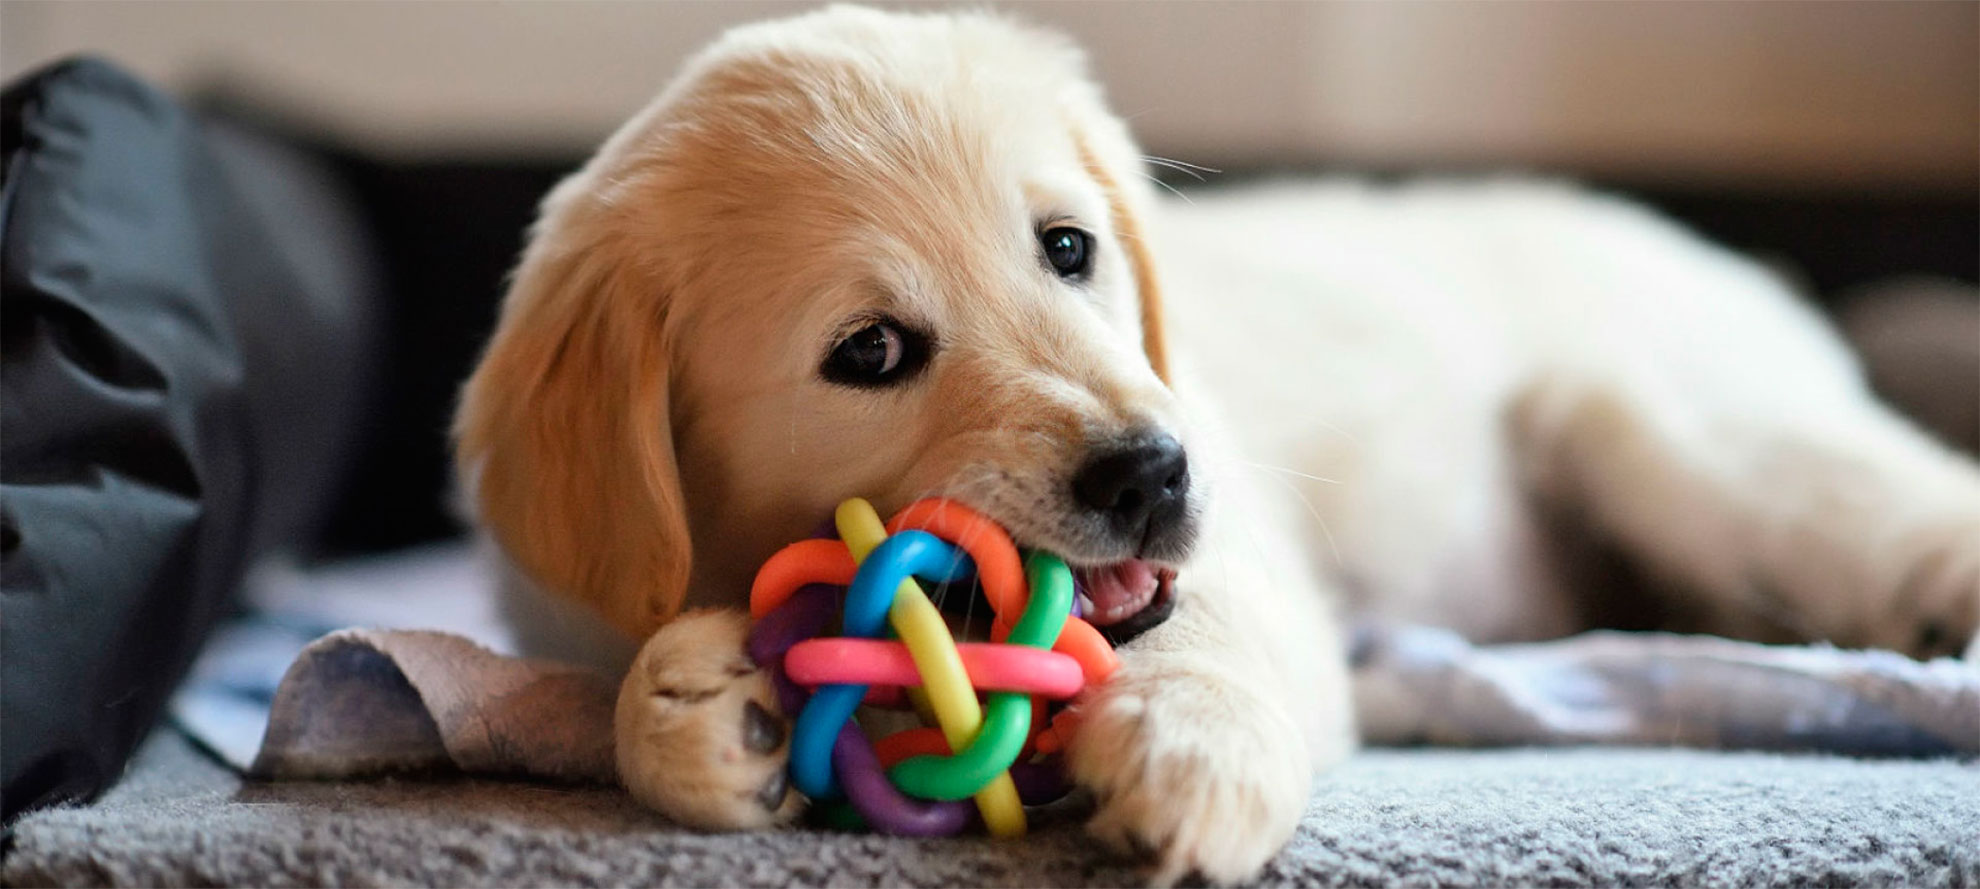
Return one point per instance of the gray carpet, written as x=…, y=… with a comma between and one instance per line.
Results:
x=1565, y=817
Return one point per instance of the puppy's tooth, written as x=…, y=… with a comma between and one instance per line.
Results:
x=762, y=732
x=772, y=793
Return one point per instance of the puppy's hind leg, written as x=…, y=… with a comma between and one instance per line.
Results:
x=1825, y=517
x=698, y=731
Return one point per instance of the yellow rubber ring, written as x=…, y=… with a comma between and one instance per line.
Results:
x=943, y=677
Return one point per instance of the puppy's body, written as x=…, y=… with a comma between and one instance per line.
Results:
x=1393, y=394
x=1474, y=366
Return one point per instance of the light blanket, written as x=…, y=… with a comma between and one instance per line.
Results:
x=360, y=702
x=365, y=701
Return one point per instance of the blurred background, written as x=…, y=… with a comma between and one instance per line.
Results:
x=1777, y=95
x=1838, y=140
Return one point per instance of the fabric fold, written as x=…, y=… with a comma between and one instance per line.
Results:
x=363, y=702
x=1423, y=685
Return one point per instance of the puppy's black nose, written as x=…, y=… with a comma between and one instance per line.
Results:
x=1138, y=487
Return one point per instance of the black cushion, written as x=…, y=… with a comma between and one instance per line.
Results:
x=184, y=333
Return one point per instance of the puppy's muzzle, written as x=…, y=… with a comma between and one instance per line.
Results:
x=1138, y=489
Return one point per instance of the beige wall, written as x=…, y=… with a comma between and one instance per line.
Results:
x=1832, y=94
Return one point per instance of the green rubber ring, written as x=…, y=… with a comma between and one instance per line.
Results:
x=1051, y=601
x=1006, y=715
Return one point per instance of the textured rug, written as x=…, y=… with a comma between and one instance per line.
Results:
x=1563, y=817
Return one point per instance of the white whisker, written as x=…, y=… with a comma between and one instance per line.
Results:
x=1172, y=189
x=1183, y=170
x=1190, y=170
x=1315, y=513
x=1172, y=162
x=1337, y=430
x=1296, y=472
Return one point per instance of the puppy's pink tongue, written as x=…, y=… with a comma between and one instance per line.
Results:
x=1118, y=591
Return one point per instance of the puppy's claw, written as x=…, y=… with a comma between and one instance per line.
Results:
x=773, y=791
x=762, y=732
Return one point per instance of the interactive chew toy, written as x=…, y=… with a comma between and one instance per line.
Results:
x=915, y=782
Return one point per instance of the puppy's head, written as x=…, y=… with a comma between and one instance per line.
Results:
x=849, y=254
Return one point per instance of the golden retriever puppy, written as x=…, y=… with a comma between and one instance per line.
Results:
x=858, y=253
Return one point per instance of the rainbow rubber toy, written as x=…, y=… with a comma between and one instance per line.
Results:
x=995, y=752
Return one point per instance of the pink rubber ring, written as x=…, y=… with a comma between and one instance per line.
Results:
x=991, y=667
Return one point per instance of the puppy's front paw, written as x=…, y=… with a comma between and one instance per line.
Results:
x=1190, y=768
x=1938, y=613
x=699, y=735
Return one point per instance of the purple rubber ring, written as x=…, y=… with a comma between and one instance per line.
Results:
x=1039, y=783
x=884, y=805
x=807, y=613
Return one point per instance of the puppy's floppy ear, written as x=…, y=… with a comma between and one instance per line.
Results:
x=1109, y=157
x=563, y=430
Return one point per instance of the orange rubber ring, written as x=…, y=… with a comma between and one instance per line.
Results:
x=1097, y=659
x=794, y=566
x=1053, y=738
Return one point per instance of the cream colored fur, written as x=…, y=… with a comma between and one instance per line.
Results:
x=1386, y=392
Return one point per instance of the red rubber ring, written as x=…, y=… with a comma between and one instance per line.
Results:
x=991, y=667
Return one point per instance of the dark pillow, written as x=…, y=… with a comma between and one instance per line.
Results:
x=184, y=334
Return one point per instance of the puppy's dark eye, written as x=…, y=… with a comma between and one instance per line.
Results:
x=880, y=354
x=1069, y=251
